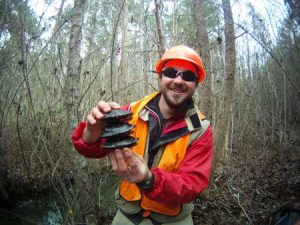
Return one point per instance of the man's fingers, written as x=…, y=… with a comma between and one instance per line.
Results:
x=114, y=163
x=104, y=107
x=122, y=169
x=121, y=160
x=129, y=165
x=132, y=158
x=95, y=122
x=127, y=153
x=114, y=105
x=91, y=120
x=97, y=114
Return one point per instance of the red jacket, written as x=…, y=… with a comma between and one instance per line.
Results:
x=185, y=184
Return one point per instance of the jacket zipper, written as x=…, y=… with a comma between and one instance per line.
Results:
x=159, y=122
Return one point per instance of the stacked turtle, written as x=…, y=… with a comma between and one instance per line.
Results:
x=117, y=130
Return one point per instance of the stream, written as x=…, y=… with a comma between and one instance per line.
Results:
x=47, y=209
x=33, y=211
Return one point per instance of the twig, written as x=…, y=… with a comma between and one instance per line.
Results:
x=152, y=86
x=240, y=205
x=125, y=88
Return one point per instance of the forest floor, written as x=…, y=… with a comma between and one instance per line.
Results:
x=253, y=183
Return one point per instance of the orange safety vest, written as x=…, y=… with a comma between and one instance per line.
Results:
x=172, y=156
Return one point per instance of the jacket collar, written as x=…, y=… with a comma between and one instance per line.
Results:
x=188, y=116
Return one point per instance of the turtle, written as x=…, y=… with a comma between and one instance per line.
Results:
x=118, y=115
x=121, y=129
x=117, y=130
x=123, y=142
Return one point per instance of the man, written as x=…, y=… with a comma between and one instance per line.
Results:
x=171, y=163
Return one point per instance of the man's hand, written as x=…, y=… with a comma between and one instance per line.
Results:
x=95, y=122
x=130, y=166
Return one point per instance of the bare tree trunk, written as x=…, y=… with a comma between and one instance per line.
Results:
x=72, y=83
x=115, y=48
x=223, y=122
x=161, y=42
x=109, y=69
x=204, y=48
x=124, y=50
x=72, y=96
x=144, y=49
x=24, y=64
x=3, y=189
x=4, y=14
x=91, y=27
x=59, y=21
x=294, y=10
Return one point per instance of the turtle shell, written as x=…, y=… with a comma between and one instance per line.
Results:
x=118, y=115
x=113, y=143
x=117, y=130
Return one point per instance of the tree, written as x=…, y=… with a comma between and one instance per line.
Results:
x=72, y=95
x=123, y=78
x=160, y=36
x=294, y=10
x=3, y=192
x=203, y=46
x=223, y=122
x=144, y=48
x=114, y=46
x=72, y=83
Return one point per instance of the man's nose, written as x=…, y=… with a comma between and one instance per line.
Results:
x=178, y=79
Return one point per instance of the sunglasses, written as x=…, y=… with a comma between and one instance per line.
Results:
x=186, y=75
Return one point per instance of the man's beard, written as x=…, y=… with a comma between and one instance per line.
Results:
x=173, y=102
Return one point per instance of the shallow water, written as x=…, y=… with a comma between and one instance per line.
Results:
x=47, y=208
x=32, y=211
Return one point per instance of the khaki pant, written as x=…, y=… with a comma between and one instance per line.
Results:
x=121, y=219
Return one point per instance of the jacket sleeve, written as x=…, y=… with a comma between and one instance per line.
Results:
x=88, y=150
x=192, y=176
